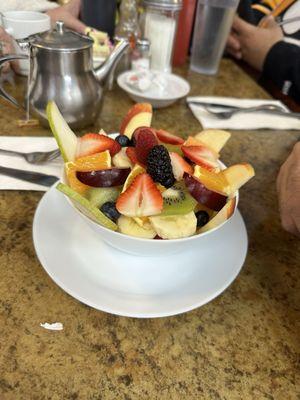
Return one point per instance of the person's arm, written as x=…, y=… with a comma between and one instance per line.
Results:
x=282, y=66
x=288, y=188
x=69, y=14
x=252, y=43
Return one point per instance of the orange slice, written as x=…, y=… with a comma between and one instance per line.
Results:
x=73, y=182
x=216, y=182
x=93, y=162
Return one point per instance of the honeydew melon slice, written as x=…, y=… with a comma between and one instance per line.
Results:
x=86, y=207
x=65, y=137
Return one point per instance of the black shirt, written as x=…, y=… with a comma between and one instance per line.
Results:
x=282, y=64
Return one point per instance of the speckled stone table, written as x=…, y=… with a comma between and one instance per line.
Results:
x=243, y=345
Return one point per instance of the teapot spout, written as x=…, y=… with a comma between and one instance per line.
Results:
x=102, y=72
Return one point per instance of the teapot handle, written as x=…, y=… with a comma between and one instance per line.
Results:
x=4, y=59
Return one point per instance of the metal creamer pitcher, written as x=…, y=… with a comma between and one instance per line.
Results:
x=62, y=70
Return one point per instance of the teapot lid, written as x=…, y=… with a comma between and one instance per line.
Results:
x=61, y=39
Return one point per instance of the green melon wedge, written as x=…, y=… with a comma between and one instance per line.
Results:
x=65, y=137
x=98, y=196
x=86, y=207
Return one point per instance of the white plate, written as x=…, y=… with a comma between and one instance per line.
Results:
x=121, y=284
x=176, y=88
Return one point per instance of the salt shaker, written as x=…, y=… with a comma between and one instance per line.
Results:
x=140, y=60
x=159, y=24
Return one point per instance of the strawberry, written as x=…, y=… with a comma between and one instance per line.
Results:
x=131, y=154
x=141, y=198
x=167, y=137
x=145, y=139
x=180, y=166
x=92, y=143
x=201, y=155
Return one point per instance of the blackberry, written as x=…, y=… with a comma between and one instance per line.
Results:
x=109, y=209
x=159, y=166
x=202, y=218
x=123, y=141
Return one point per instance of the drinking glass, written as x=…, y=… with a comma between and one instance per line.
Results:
x=213, y=22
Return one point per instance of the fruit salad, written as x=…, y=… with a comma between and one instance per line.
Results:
x=147, y=182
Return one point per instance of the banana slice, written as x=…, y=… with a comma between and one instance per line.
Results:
x=128, y=226
x=143, y=222
x=175, y=226
x=121, y=160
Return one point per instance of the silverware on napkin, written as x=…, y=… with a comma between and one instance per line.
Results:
x=34, y=157
x=228, y=114
x=271, y=109
x=227, y=106
x=29, y=176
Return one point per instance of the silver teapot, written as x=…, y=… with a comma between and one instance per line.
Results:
x=61, y=69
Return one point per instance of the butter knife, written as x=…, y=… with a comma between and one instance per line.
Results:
x=29, y=176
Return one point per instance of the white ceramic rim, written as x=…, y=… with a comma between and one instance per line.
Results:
x=129, y=90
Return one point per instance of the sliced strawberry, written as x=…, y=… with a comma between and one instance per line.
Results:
x=202, y=156
x=167, y=137
x=141, y=198
x=180, y=166
x=145, y=139
x=131, y=154
x=92, y=143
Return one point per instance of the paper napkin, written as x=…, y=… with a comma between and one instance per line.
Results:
x=27, y=144
x=241, y=121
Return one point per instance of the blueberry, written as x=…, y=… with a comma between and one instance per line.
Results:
x=123, y=141
x=202, y=218
x=109, y=209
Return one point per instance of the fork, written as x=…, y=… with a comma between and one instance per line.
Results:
x=35, y=157
x=271, y=109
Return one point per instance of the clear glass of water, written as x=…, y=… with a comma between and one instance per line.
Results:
x=213, y=22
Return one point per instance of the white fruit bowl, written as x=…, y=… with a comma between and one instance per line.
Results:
x=147, y=247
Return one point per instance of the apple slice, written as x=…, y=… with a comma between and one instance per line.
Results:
x=223, y=215
x=121, y=160
x=65, y=137
x=86, y=207
x=214, y=138
x=191, y=141
x=139, y=115
x=237, y=175
x=104, y=177
x=213, y=200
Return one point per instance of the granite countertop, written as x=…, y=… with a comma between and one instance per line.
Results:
x=243, y=345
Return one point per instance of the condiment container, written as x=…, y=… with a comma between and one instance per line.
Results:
x=140, y=60
x=184, y=32
x=159, y=25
